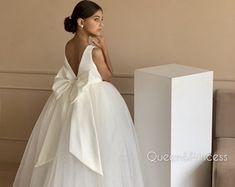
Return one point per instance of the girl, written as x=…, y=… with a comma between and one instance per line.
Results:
x=84, y=136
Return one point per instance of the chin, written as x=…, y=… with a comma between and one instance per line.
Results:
x=98, y=33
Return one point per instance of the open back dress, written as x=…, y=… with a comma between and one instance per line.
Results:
x=84, y=136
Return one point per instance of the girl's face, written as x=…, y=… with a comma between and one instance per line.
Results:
x=94, y=24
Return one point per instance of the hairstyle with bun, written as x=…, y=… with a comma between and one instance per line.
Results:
x=83, y=9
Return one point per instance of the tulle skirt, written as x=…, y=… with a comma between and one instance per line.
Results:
x=118, y=142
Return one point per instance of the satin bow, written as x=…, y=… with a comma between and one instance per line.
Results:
x=76, y=86
x=83, y=138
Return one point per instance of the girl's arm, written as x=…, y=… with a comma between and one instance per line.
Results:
x=99, y=60
x=100, y=42
x=107, y=59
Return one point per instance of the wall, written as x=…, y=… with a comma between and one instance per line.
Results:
x=139, y=34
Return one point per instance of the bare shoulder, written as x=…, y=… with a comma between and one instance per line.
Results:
x=97, y=55
x=68, y=47
x=68, y=44
x=99, y=60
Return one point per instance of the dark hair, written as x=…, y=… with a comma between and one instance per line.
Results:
x=83, y=9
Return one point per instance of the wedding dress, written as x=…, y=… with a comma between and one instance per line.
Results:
x=84, y=136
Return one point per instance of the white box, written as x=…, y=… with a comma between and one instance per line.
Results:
x=173, y=117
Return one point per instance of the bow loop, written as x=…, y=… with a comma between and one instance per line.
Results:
x=74, y=86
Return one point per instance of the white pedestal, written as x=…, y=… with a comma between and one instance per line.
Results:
x=173, y=117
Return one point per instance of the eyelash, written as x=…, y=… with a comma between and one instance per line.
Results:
x=96, y=19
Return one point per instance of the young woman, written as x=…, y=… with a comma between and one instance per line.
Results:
x=84, y=136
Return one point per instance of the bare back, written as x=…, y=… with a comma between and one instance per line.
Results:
x=73, y=53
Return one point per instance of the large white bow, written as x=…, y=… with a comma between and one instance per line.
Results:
x=62, y=84
x=83, y=139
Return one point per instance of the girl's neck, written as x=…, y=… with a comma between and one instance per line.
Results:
x=82, y=37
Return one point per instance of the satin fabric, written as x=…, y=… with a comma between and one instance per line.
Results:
x=83, y=144
x=84, y=136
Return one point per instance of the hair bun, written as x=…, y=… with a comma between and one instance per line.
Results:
x=70, y=25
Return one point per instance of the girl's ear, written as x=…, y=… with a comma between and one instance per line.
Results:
x=80, y=22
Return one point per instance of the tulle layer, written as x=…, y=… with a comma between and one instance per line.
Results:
x=118, y=144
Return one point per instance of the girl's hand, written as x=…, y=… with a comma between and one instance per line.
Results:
x=98, y=41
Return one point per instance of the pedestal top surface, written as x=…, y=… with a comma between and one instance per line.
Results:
x=172, y=70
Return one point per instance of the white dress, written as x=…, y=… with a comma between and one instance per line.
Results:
x=84, y=136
